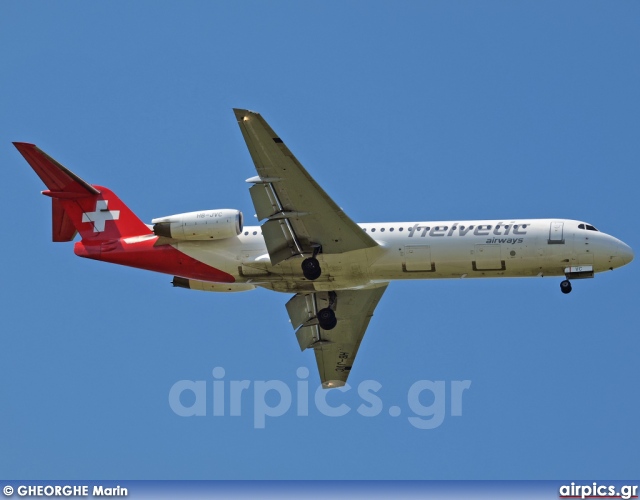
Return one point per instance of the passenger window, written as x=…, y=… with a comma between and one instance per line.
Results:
x=382, y=230
x=373, y=229
x=391, y=229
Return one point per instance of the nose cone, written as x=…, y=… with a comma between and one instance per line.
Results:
x=625, y=252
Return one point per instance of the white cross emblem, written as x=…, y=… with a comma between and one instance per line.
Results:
x=100, y=216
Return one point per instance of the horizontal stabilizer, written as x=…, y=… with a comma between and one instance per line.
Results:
x=55, y=176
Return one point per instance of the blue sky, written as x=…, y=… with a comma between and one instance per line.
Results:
x=403, y=111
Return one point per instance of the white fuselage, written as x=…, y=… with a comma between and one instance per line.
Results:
x=425, y=250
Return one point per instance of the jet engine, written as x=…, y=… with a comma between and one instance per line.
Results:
x=204, y=225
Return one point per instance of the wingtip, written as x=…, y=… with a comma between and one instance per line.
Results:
x=333, y=384
x=243, y=113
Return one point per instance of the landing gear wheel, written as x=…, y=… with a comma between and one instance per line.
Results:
x=311, y=268
x=327, y=319
x=565, y=286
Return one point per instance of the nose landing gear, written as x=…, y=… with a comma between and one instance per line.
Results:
x=565, y=286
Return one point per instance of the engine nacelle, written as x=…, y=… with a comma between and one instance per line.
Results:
x=204, y=225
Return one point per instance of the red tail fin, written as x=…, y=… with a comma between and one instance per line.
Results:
x=93, y=211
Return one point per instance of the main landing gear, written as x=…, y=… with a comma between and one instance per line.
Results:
x=565, y=286
x=327, y=316
x=310, y=266
x=327, y=319
x=311, y=270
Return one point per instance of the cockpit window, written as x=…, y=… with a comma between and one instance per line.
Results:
x=588, y=227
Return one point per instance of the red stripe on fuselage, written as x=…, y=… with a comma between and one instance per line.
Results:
x=144, y=255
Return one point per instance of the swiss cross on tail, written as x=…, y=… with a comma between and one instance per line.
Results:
x=100, y=215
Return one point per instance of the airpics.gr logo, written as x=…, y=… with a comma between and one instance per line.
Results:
x=596, y=490
x=426, y=400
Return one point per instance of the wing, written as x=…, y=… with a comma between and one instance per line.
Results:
x=335, y=349
x=300, y=215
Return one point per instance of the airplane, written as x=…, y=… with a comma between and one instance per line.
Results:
x=337, y=269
